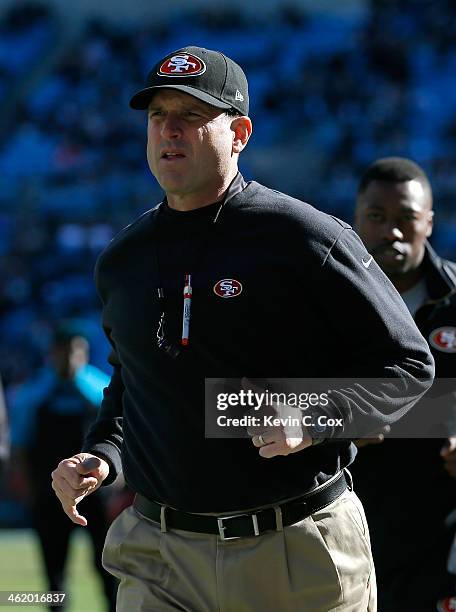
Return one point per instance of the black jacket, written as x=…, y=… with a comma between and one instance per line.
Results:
x=439, y=312
x=308, y=308
x=405, y=490
x=435, y=415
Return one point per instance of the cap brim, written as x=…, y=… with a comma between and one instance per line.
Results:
x=142, y=98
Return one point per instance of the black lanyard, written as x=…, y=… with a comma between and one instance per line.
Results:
x=237, y=185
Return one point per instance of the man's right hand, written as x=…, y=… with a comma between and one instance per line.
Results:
x=76, y=477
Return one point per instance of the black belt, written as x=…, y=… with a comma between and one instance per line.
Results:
x=246, y=524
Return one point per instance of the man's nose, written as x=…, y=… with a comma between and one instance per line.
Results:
x=390, y=232
x=171, y=127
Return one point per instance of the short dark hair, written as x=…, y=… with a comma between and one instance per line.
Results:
x=232, y=112
x=394, y=170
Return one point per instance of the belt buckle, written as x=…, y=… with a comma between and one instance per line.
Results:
x=222, y=527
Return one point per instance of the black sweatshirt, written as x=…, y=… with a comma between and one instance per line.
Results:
x=308, y=308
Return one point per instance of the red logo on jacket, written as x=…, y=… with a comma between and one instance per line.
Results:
x=182, y=65
x=227, y=288
x=444, y=339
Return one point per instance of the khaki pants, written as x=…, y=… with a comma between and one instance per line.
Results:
x=320, y=564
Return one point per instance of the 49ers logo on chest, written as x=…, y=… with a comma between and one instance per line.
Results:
x=444, y=339
x=228, y=288
x=182, y=65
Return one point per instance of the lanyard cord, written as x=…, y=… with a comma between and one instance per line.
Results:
x=172, y=350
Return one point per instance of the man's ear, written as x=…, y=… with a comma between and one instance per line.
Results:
x=430, y=226
x=242, y=129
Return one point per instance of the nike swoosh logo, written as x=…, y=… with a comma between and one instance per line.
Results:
x=367, y=263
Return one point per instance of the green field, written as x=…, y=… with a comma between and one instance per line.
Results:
x=20, y=570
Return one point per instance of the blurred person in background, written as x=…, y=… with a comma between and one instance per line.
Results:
x=4, y=432
x=406, y=484
x=50, y=415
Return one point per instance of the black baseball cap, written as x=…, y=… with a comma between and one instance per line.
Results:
x=207, y=75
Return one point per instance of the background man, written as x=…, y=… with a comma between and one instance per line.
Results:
x=4, y=432
x=262, y=271
x=50, y=416
x=404, y=484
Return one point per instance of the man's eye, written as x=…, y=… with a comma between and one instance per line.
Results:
x=408, y=217
x=155, y=113
x=374, y=216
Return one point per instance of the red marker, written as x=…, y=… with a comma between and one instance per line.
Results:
x=187, y=305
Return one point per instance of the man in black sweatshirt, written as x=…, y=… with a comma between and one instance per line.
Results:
x=226, y=280
x=412, y=470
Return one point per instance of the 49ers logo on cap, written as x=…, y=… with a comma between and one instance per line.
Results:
x=444, y=339
x=182, y=65
x=227, y=288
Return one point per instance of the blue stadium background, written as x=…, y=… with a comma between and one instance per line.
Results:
x=334, y=85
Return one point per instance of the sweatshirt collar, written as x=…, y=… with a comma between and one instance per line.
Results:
x=237, y=185
x=439, y=281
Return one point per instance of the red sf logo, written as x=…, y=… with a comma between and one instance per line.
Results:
x=227, y=288
x=182, y=65
x=444, y=339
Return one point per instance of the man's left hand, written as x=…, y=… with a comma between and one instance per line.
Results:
x=282, y=439
x=274, y=442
